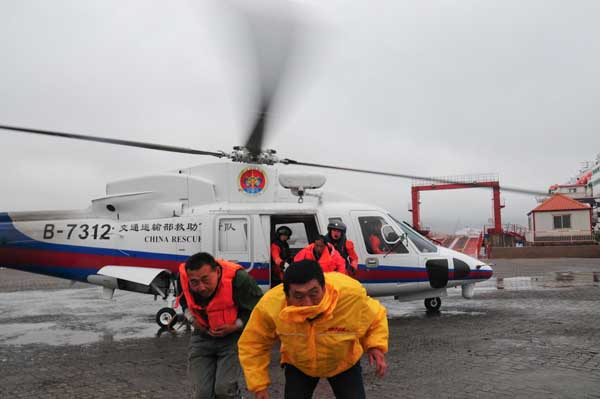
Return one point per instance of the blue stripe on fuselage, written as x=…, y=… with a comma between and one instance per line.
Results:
x=10, y=236
x=4, y=217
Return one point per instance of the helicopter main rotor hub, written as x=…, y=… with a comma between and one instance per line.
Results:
x=244, y=154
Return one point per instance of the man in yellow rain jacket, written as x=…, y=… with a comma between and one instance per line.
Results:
x=325, y=322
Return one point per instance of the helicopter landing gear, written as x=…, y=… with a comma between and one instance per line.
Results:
x=433, y=303
x=164, y=316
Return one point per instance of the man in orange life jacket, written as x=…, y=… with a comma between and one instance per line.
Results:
x=280, y=254
x=336, y=236
x=324, y=253
x=218, y=297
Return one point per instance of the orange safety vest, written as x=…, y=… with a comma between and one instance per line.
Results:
x=221, y=309
x=280, y=252
x=375, y=244
x=330, y=260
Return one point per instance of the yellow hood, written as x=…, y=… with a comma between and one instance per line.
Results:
x=324, y=310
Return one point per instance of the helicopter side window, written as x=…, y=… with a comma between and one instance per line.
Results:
x=370, y=227
x=233, y=235
x=422, y=244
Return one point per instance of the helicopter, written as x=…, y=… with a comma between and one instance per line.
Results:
x=135, y=237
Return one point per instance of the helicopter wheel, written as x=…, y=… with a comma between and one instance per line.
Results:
x=433, y=303
x=164, y=316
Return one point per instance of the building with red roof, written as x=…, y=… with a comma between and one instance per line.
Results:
x=560, y=220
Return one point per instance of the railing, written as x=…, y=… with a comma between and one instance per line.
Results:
x=471, y=247
x=560, y=236
x=460, y=244
x=448, y=241
x=514, y=228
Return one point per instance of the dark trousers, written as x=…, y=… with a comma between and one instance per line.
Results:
x=346, y=385
x=214, y=367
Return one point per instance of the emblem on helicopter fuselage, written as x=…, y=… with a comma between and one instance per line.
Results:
x=252, y=181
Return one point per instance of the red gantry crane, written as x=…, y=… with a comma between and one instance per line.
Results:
x=457, y=182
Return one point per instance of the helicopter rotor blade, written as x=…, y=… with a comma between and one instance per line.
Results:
x=255, y=139
x=287, y=161
x=435, y=180
x=128, y=143
x=272, y=36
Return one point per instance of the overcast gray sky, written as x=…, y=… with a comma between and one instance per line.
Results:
x=417, y=87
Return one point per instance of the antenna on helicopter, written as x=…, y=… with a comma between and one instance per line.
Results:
x=299, y=183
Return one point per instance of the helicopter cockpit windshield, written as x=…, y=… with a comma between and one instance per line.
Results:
x=422, y=244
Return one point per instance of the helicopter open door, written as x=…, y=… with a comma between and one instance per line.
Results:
x=304, y=231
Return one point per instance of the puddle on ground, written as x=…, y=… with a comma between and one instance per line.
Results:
x=397, y=310
x=75, y=317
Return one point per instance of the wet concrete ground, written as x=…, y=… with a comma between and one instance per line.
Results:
x=534, y=339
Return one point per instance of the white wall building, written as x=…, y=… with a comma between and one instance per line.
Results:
x=560, y=219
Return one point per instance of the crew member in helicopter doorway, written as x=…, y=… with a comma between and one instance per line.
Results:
x=336, y=236
x=218, y=297
x=281, y=256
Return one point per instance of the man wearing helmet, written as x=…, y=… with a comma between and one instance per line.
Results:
x=280, y=254
x=336, y=236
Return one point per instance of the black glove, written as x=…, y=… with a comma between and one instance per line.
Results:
x=351, y=271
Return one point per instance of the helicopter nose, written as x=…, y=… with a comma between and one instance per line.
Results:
x=479, y=272
x=483, y=270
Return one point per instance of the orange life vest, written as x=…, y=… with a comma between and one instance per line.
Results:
x=330, y=259
x=221, y=309
x=375, y=245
